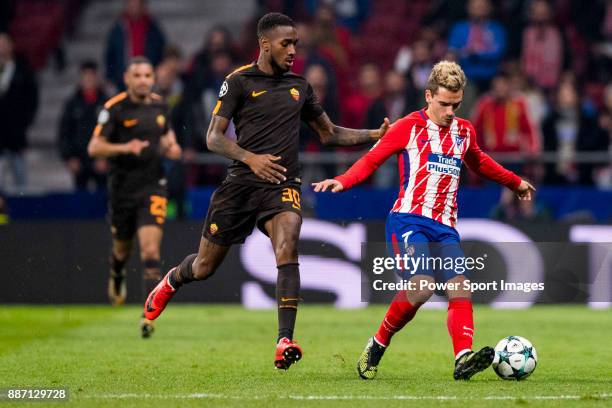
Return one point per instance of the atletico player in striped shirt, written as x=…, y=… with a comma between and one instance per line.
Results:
x=430, y=145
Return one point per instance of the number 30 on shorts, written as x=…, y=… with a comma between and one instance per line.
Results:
x=158, y=208
x=293, y=196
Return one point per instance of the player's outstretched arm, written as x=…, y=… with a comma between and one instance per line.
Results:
x=262, y=164
x=101, y=148
x=394, y=141
x=483, y=165
x=331, y=134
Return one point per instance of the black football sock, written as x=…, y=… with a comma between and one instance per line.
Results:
x=117, y=265
x=151, y=276
x=183, y=273
x=287, y=297
x=117, y=270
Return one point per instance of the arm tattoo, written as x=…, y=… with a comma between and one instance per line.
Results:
x=220, y=144
x=342, y=136
x=331, y=134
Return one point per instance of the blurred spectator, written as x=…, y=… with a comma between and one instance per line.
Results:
x=502, y=121
x=356, y=105
x=18, y=106
x=479, y=44
x=542, y=50
x=217, y=40
x=307, y=55
x=603, y=175
x=333, y=44
x=202, y=94
x=168, y=81
x=316, y=75
x=169, y=84
x=392, y=104
x=588, y=17
x=415, y=63
x=602, y=50
x=76, y=126
x=569, y=129
x=215, y=59
x=200, y=99
x=349, y=13
x=515, y=16
x=511, y=209
x=436, y=44
x=134, y=33
x=535, y=101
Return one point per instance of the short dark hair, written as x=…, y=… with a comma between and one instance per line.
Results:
x=273, y=20
x=88, y=65
x=139, y=59
x=172, y=51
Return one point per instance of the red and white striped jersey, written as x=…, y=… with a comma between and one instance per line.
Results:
x=429, y=160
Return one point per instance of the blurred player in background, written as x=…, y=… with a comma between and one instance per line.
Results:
x=134, y=134
x=77, y=122
x=266, y=102
x=430, y=145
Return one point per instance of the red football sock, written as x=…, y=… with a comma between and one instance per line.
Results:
x=460, y=323
x=400, y=312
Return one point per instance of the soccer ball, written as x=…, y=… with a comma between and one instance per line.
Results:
x=515, y=358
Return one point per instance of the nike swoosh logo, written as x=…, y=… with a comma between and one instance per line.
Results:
x=130, y=122
x=284, y=299
x=150, y=307
x=256, y=94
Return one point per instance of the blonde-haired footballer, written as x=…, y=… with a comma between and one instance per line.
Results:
x=430, y=145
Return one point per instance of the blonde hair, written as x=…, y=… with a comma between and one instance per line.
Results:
x=446, y=74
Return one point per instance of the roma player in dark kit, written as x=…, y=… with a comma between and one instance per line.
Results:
x=266, y=102
x=133, y=133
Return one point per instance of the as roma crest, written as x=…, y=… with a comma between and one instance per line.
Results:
x=295, y=94
x=161, y=120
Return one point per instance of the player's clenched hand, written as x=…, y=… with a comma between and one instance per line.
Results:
x=332, y=184
x=135, y=146
x=264, y=167
x=524, y=190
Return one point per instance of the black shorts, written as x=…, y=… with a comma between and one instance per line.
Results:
x=235, y=209
x=126, y=215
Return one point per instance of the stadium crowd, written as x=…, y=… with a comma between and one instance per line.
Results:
x=539, y=81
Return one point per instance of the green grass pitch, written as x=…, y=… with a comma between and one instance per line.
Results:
x=222, y=356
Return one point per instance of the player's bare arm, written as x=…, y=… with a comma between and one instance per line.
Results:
x=262, y=164
x=331, y=134
x=99, y=147
x=169, y=147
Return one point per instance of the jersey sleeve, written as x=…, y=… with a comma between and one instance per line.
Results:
x=107, y=119
x=230, y=97
x=393, y=141
x=312, y=108
x=483, y=165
